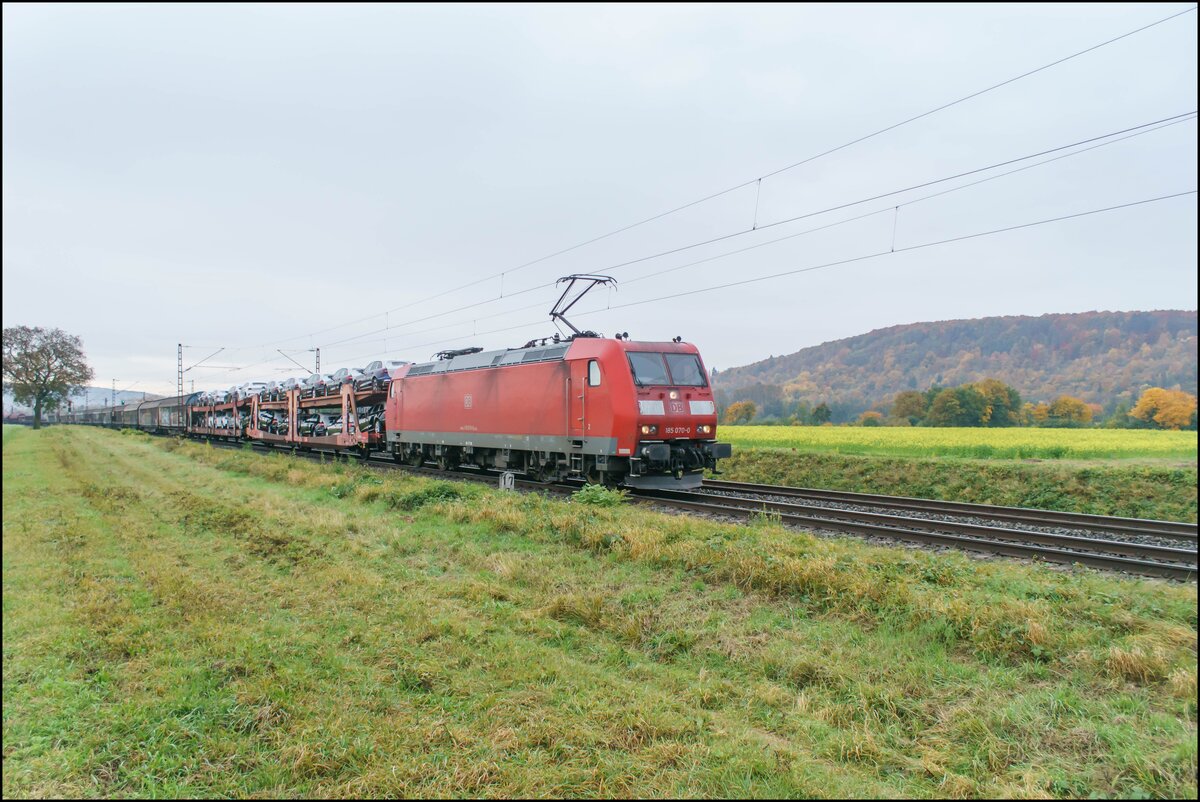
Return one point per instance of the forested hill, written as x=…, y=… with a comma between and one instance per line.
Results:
x=1101, y=357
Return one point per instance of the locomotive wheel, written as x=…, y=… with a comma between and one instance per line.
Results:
x=540, y=472
x=444, y=462
x=416, y=458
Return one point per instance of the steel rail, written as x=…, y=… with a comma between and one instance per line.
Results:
x=1010, y=542
x=1180, y=530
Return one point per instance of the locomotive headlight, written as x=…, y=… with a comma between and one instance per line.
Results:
x=674, y=394
x=650, y=429
x=704, y=429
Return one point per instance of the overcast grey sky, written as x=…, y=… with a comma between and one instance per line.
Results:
x=256, y=177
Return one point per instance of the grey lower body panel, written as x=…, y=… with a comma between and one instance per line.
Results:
x=514, y=442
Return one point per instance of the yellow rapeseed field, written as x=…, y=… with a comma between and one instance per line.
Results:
x=968, y=442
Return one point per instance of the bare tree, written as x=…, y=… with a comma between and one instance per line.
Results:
x=43, y=367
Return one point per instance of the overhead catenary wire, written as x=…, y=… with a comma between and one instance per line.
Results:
x=912, y=248
x=202, y=361
x=756, y=180
x=841, y=262
x=899, y=206
x=839, y=207
x=794, y=235
x=1124, y=133
x=1128, y=134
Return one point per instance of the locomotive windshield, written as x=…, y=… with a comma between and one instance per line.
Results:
x=678, y=369
x=685, y=370
x=648, y=368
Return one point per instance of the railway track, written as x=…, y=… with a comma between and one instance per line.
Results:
x=1017, y=515
x=746, y=501
x=1097, y=552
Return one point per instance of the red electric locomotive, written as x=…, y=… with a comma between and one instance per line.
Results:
x=612, y=411
x=620, y=412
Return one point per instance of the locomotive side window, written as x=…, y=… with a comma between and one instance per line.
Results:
x=685, y=370
x=648, y=368
x=593, y=373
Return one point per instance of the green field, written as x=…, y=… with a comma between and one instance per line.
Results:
x=187, y=621
x=976, y=443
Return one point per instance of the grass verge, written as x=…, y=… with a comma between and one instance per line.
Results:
x=183, y=621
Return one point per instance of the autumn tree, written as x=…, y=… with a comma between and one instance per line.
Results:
x=944, y=410
x=1119, y=419
x=870, y=418
x=740, y=412
x=909, y=405
x=1067, y=410
x=1169, y=409
x=1035, y=414
x=1003, y=403
x=958, y=406
x=821, y=413
x=42, y=367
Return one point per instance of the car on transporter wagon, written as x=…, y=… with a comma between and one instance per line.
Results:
x=346, y=376
x=378, y=373
x=316, y=384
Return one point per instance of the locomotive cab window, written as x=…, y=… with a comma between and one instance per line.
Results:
x=648, y=368
x=686, y=370
x=681, y=370
x=593, y=373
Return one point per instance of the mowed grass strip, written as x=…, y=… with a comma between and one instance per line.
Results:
x=184, y=621
x=971, y=442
